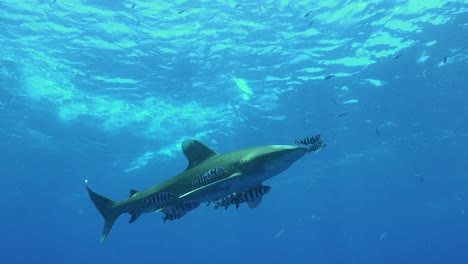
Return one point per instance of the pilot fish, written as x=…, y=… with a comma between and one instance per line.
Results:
x=149, y=204
x=179, y=210
x=242, y=197
x=158, y=199
x=316, y=146
x=308, y=140
x=210, y=176
x=313, y=143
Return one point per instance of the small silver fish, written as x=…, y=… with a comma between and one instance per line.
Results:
x=328, y=77
x=396, y=57
x=334, y=102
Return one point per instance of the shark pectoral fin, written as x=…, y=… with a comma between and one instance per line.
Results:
x=255, y=202
x=212, y=187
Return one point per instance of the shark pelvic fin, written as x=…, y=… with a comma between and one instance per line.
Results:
x=134, y=217
x=196, y=152
x=106, y=207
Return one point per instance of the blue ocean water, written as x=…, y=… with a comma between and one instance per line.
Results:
x=106, y=91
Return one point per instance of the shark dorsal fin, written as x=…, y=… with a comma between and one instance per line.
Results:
x=196, y=152
x=133, y=192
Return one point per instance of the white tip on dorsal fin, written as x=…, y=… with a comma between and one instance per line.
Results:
x=196, y=152
x=255, y=202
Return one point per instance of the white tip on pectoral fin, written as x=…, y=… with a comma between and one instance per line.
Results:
x=254, y=203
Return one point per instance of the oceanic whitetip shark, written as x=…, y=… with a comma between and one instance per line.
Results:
x=225, y=179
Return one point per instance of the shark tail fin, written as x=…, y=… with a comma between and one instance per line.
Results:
x=107, y=209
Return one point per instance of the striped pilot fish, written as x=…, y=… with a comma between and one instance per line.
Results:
x=313, y=143
x=210, y=176
x=308, y=140
x=242, y=197
x=316, y=146
x=179, y=210
x=150, y=203
x=156, y=200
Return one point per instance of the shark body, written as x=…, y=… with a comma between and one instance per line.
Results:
x=209, y=176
